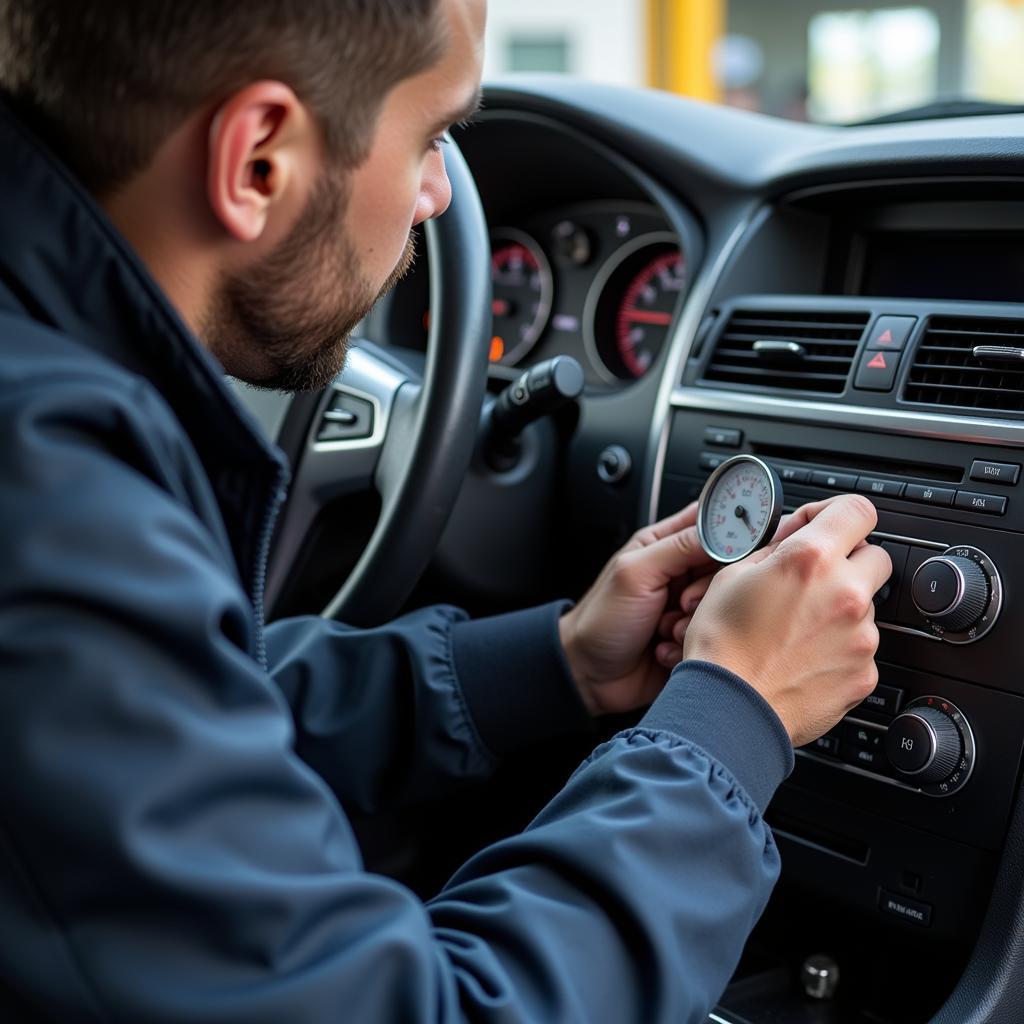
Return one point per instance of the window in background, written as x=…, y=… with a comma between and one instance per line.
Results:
x=995, y=44
x=537, y=53
x=865, y=63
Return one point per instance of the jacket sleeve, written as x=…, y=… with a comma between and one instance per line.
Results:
x=418, y=707
x=165, y=855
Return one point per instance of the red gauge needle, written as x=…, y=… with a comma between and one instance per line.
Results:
x=642, y=316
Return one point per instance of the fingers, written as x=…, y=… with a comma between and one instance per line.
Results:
x=692, y=594
x=668, y=655
x=665, y=527
x=667, y=624
x=660, y=562
x=836, y=527
x=874, y=563
x=801, y=517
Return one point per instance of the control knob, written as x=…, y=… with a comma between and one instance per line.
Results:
x=951, y=592
x=932, y=745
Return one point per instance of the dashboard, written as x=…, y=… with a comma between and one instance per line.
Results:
x=844, y=304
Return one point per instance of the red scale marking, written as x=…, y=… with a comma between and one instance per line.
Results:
x=630, y=313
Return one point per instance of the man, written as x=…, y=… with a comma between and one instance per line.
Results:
x=174, y=846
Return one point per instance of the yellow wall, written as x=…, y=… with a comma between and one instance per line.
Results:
x=680, y=38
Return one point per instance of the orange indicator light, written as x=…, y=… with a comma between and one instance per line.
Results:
x=497, y=348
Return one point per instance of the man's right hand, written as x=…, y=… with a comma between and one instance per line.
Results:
x=796, y=620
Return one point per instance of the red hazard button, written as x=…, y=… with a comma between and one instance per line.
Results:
x=890, y=333
x=877, y=371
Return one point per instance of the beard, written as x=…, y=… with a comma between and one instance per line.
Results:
x=285, y=323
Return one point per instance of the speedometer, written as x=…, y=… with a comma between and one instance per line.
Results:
x=632, y=305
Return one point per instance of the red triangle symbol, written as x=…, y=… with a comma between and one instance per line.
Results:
x=885, y=338
x=878, y=363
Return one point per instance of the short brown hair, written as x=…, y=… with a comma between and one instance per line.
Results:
x=107, y=81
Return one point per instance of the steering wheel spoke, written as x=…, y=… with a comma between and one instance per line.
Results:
x=349, y=432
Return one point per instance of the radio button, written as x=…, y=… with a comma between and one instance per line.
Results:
x=834, y=481
x=995, y=472
x=724, y=437
x=990, y=504
x=884, y=699
x=929, y=495
x=794, y=475
x=711, y=460
x=881, y=488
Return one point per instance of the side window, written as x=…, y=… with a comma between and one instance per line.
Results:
x=537, y=53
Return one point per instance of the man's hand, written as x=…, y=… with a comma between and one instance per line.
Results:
x=609, y=637
x=796, y=619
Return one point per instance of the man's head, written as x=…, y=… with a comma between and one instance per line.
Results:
x=268, y=160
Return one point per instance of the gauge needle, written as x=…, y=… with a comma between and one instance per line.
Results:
x=643, y=316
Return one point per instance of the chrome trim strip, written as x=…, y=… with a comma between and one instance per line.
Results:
x=679, y=351
x=893, y=421
x=909, y=631
x=916, y=541
x=371, y=380
x=842, y=766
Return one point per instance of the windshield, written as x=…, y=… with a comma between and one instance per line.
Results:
x=832, y=63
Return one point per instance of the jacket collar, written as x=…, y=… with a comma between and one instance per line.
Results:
x=64, y=264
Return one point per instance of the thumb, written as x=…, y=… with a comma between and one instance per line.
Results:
x=658, y=563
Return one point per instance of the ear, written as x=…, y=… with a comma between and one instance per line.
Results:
x=261, y=141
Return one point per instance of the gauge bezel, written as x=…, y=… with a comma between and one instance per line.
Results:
x=774, y=516
x=547, y=290
x=601, y=280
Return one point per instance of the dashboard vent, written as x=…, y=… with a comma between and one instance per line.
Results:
x=790, y=350
x=947, y=372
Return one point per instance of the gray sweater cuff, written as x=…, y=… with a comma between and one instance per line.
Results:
x=727, y=718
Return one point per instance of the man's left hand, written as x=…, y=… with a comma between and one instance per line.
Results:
x=648, y=590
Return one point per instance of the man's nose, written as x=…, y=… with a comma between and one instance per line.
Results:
x=436, y=192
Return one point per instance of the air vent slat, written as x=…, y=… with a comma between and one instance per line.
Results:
x=946, y=372
x=829, y=342
x=729, y=355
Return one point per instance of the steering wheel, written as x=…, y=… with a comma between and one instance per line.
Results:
x=413, y=438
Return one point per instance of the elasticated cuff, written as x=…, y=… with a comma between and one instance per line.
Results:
x=727, y=718
x=516, y=680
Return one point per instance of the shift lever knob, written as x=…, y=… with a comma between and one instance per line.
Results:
x=819, y=976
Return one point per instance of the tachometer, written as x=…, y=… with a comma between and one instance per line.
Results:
x=523, y=291
x=632, y=304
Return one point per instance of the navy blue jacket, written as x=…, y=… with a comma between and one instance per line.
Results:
x=174, y=844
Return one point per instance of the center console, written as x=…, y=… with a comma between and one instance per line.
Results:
x=892, y=824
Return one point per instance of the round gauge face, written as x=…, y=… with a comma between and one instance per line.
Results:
x=740, y=508
x=645, y=313
x=632, y=304
x=523, y=290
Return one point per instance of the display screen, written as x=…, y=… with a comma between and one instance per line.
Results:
x=944, y=265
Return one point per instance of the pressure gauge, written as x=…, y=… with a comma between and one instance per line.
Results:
x=739, y=508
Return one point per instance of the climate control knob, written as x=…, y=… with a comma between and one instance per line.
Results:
x=931, y=746
x=951, y=592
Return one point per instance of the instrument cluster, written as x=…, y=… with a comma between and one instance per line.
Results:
x=600, y=281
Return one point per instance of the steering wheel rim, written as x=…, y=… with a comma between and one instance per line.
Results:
x=424, y=432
